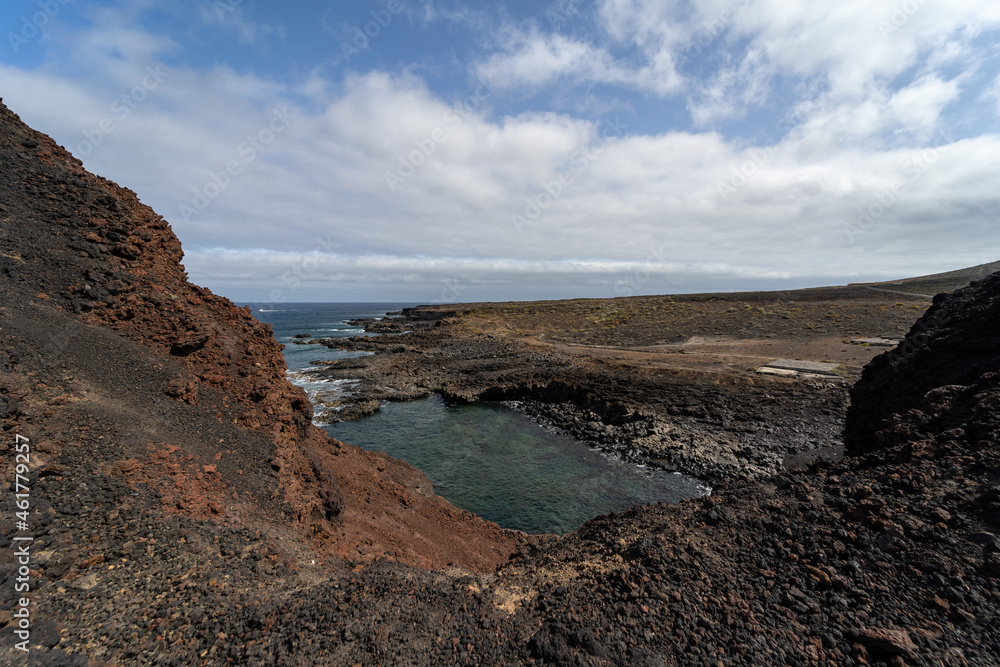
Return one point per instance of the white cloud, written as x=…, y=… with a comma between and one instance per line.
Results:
x=917, y=108
x=535, y=59
x=859, y=49
x=322, y=181
x=729, y=93
x=231, y=16
x=531, y=56
x=543, y=197
x=854, y=53
x=303, y=276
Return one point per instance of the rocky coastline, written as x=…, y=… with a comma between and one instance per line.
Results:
x=184, y=510
x=711, y=428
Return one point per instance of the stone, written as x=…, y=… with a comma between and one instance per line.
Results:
x=86, y=582
x=992, y=564
x=8, y=407
x=190, y=343
x=184, y=389
x=888, y=641
x=942, y=515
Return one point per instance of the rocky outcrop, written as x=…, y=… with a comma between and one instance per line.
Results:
x=80, y=244
x=703, y=426
x=184, y=512
x=376, y=325
x=929, y=379
x=91, y=248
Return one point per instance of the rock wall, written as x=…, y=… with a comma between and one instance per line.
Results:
x=951, y=349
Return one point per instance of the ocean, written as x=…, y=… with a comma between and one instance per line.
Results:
x=490, y=459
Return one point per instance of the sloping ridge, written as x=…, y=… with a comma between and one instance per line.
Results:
x=78, y=244
x=936, y=283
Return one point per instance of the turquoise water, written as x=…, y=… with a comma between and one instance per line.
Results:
x=502, y=465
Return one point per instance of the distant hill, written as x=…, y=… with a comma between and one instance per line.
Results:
x=938, y=282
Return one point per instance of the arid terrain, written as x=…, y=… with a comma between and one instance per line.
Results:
x=670, y=380
x=185, y=511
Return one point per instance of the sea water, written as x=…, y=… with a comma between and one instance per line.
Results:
x=500, y=464
x=490, y=459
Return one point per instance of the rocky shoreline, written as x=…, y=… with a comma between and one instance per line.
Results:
x=711, y=430
x=183, y=509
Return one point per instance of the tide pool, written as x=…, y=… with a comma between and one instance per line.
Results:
x=502, y=465
x=488, y=459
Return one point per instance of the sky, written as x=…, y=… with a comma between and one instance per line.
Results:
x=440, y=151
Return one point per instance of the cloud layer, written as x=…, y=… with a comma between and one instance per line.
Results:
x=820, y=145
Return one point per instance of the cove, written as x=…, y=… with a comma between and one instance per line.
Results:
x=502, y=465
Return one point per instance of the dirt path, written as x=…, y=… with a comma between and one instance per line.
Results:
x=893, y=291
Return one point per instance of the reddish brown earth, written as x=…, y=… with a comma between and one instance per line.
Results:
x=78, y=244
x=185, y=512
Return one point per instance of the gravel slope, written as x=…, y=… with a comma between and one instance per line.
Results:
x=182, y=510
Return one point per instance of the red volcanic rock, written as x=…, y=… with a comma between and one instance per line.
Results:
x=185, y=389
x=95, y=250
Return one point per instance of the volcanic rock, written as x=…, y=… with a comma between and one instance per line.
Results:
x=950, y=348
x=229, y=530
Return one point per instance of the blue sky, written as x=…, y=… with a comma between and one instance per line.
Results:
x=443, y=150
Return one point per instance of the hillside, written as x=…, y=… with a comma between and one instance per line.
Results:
x=183, y=509
x=87, y=256
x=937, y=283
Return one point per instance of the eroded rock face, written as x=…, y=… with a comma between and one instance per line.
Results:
x=92, y=248
x=76, y=244
x=931, y=379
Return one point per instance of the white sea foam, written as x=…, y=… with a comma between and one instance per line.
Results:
x=322, y=391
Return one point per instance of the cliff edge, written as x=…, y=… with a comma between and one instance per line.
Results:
x=74, y=245
x=929, y=382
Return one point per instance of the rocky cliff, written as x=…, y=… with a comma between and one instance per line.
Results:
x=928, y=383
x=74, y=243
x=183, y=510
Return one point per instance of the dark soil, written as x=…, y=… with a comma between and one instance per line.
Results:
x=185, y=513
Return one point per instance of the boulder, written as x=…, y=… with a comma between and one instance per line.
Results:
x=888, y=641
x=953, y=346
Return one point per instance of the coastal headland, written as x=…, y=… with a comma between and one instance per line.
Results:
x=182, y=509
